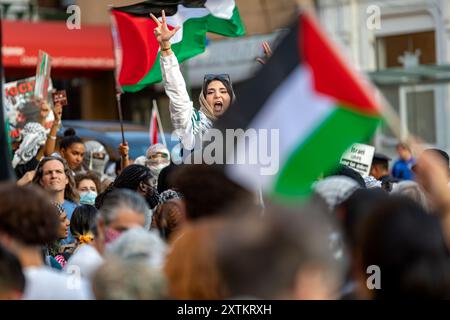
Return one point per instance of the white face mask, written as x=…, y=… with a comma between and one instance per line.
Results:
x=156, y=168
x=88, y=197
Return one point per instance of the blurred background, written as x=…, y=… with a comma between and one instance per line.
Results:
x=402, y=45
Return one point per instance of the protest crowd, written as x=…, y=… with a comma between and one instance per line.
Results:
x=159, y=230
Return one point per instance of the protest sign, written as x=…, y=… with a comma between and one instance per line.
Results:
x=42, y=75
x=60, y=97
x=20, y=106
x=359, y=158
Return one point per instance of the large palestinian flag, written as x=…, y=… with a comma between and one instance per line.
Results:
x=136, y=48
x=318, y=103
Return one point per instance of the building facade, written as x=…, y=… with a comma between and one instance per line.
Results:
x=401, y=42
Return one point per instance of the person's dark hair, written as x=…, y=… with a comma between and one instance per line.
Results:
x=408, y=246
x=70, y=192
x=164, y=177
x=88, y=176
x=27, y=214
x=261, y=257
x=383, y=163
x=346, y=171
x=70, y=137
x=352, y=212
x=129, y=178
x=11, y=274
x=83, y=220
x=207, y=190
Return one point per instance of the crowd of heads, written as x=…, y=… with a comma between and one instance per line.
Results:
x=158, y=230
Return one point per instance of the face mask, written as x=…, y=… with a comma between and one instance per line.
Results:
x=88, y=197
x=97, y=165
x=111, y=235
x=156, y=168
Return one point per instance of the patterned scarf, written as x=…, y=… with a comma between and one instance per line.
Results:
x=205, y=108
x=33, y=137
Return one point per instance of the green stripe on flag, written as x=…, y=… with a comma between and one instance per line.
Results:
x=321, y=152
x=193, y=43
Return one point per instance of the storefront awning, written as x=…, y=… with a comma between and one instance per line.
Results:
x=89, y=48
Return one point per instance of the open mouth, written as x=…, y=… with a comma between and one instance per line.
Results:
x=218, y=106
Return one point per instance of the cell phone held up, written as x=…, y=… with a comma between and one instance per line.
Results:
x=60, y=97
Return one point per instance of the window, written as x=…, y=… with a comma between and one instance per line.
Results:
x=391, y=48
x=420, y=112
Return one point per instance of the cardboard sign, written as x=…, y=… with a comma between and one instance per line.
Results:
x=20, y=105
x=42, y=75
x=60, y=97
x=359, y=158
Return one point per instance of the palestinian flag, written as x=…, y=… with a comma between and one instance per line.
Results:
x=317, y=102
x=136, y=48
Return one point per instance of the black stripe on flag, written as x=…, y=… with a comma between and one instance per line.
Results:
x=253, y=94
x=143, y=9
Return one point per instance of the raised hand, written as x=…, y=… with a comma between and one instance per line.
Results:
x=267, y=53
x=57, y=112
x=123, y=150
x=162, y=32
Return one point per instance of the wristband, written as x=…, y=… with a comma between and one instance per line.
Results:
x=165, y=49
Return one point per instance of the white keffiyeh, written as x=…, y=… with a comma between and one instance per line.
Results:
x=33, y=136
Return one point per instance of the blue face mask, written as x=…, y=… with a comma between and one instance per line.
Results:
x=88, y=197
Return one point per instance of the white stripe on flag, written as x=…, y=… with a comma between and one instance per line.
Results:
x=223, y=11
x=296, y=110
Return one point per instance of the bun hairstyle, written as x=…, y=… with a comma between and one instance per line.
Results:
x=70, y=132
x=70, y=137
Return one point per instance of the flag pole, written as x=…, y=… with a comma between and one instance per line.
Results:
x=118, y=66
x=6, y=172
x=119, y=109
x=158, y=119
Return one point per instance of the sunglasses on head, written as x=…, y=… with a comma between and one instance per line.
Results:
x=222, y=76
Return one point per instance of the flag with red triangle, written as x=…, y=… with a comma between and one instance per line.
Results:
x=136, y=49
x=315, y=103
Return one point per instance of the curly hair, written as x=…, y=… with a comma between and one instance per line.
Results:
x=129, y=178
x=70, y=192
x=27, y=214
